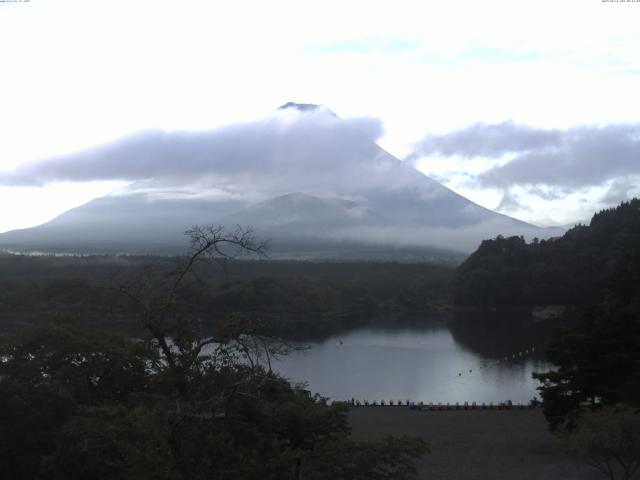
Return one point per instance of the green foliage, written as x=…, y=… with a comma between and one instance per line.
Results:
x=176, y=403
x=598, y=360
x=66, y=415
x=572, y=270
x=93, y=367
x=608, y=440
x=47, y=374
x=595, y=267
x=111, y=442
x=30, y=419
x=298, y=299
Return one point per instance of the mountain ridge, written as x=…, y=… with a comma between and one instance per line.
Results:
x=312, y=178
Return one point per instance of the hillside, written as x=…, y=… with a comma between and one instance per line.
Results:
x=575, y=269
x=318, y=186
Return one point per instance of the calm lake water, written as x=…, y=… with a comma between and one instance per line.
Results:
x=442, y=363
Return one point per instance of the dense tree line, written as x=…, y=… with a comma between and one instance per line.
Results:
x=298, y=298
x=177, y=402
x=598, y=359
x=78, y=405
x=596, y=270
x=574, y=269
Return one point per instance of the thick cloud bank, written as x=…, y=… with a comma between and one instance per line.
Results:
x=347, y=189
x=289, y=147
x=573, y=158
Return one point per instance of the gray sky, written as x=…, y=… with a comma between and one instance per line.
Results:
x=529, y=107
x=286, y=151
x=599, y=163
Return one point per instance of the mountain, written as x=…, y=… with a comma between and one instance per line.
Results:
x=315, y=184
x=119, y=223
x=301, y=213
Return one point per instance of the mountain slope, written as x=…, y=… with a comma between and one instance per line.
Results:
x=303, y=213
x=304, y=177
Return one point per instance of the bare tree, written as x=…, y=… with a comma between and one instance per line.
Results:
x=172, y=321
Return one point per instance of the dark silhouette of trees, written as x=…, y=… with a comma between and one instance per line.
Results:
x=608, y=440
x=298, y=299
x=598, y=363
x=572, y=270
x=596, y=270
x=598, y=359
x=178, y=402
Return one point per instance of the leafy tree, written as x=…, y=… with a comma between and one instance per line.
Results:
x=608, y=440
x=177, y=403
x=598, y=360
x=574, y=269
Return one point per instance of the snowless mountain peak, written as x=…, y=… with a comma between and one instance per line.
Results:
x=305, y=107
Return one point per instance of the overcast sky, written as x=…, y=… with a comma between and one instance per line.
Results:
x=531, y=108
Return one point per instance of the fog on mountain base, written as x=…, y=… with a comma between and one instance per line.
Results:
x=306, y=179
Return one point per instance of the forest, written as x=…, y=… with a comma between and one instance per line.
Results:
x=178, y=400
x=575, y=269
x=125, y=367
x=591, y=398
x=298, y=299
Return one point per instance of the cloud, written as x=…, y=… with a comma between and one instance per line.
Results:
x=227, y=170
x=510, y=202
x=288, y=149
x=622, y=189
x=461, y=239
x=562, y=159
x=482, y=140
x=547, y=193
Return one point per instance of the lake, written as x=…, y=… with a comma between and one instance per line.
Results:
x=439, y=363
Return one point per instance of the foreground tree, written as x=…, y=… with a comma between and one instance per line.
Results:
x=179, y=403
x=598, y=364
x=52, y=373
x=598, y=360
x=608, y=440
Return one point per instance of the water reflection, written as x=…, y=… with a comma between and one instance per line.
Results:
x=497, y=335
x=417, y=364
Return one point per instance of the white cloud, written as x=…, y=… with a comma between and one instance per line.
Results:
x=547, y=176
x=78, y=73
x=576, y=157
x=284, y=152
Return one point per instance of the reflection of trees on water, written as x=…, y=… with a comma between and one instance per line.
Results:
x=496, y=334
